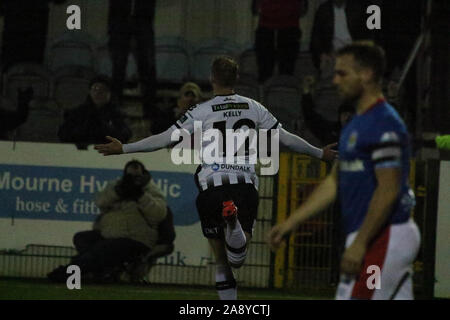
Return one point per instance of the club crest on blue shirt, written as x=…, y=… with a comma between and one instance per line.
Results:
x=352, y=140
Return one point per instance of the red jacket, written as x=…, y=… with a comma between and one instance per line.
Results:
x=277, y=14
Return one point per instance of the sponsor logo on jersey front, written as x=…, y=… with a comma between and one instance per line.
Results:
x=235, y=167
x=224, y=166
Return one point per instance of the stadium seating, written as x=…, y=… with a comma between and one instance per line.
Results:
x=248, y=65
x=327, y=102
x=326, y=76
x=26, y=75
x=104, y=64
x=248, y=87
x=206, y=53
x=71, y=86
x=282, y=98
x=42, y=125
x=304, y=66
x=72, y=49
x=172, y=57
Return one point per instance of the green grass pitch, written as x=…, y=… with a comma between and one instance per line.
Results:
x=41, y=289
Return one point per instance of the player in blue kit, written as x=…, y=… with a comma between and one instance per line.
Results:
x=371, y=181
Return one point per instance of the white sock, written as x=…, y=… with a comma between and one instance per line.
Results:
x=235, y=244
x=225, y=283
x=235, y=236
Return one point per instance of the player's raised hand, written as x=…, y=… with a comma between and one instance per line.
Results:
x=328, y=153
x=114, y=147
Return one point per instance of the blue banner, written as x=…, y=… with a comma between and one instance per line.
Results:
x=67, y=193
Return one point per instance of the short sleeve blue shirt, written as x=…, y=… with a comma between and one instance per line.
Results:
x=375, y=139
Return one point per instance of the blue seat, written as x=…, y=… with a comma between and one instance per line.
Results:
x=327, y=102
x=206, y=53
x=24, y=75
x=248, y=64
x=104, y=64
x=282, y=97
x=172, y=56
x=72, y=49
x=248, y=87
x=304, y=66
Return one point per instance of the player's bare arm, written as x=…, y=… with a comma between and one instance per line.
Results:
x=299, y=145
x=148, y=144
x=319, y=199
x=384, y=197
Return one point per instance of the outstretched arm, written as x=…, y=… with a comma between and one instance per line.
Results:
x=319, y=199
x=148, y=144
x=297, y=144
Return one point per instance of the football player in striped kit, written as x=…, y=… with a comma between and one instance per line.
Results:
x=228, y=200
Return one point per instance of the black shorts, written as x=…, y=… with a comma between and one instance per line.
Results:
x=209, y=207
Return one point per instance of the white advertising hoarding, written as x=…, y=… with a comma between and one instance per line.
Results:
x=47, y=192
x=442, y=264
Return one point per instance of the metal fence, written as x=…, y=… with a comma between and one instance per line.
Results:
x=309, y=258
x=35, y=261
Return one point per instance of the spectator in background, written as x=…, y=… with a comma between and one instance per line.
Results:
x=24, y=31
x=325, y=130
x=10, y=120
x=337, y=23
x=190, y=94
x=278, y=35
x=97, y=118
x=132, y=208
x=139, y=269
x=133, y=20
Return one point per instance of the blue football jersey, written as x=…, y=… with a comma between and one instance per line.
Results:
x=375, y=139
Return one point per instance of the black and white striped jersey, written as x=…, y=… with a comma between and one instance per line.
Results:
x=232, y=112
